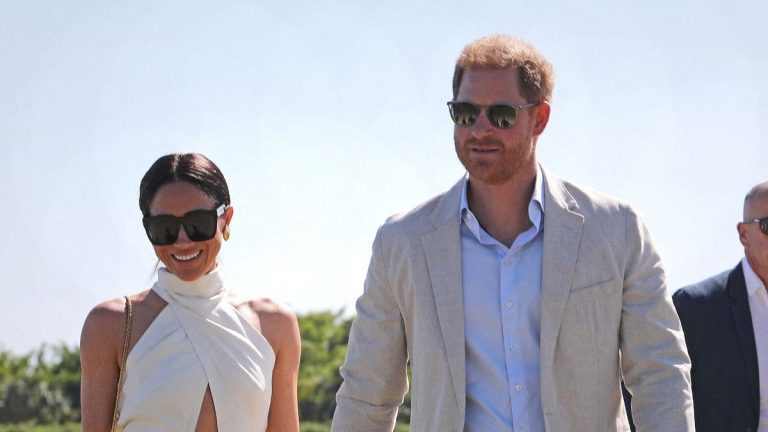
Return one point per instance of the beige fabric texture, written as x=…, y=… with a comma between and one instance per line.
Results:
x=605, y=313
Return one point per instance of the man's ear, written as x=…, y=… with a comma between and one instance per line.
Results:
x=741, y=227
x=541, y=118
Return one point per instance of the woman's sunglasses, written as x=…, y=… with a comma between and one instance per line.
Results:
x=763, y=221
x=200, y=225
x=500, y=116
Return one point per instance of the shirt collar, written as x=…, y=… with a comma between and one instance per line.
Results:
x=751, y=278
x=535, y=206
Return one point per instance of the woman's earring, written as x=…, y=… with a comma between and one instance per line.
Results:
x=226, y=233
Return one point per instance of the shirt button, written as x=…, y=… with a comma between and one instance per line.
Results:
x=507, y=262
x=509, y=303
x=513, y=346
x=519, y=387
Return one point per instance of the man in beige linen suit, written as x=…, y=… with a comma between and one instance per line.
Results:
x=520, y=300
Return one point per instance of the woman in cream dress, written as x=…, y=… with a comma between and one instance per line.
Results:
x=199, y=358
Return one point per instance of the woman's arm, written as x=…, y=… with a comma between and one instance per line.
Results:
x=101, y=345
x=280, y=327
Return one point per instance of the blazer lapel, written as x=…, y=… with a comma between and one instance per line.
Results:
x=742, y=318
x=442, y=248
x=562, y=235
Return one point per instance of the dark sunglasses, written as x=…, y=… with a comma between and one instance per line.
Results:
x=763, y=221
x=500, y=116
x=200, y=225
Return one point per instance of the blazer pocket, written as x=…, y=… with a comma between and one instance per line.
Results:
x=593, y=286
x=596, y=307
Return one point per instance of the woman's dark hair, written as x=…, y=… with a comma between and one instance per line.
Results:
x=193, y=168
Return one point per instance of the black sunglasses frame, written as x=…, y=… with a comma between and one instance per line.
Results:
x=763, y=222
x=189, y=221
x=492, y=112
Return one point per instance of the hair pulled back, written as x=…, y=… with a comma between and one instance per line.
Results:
x=193, y=168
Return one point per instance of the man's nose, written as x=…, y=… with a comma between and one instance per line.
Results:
x=482, y=127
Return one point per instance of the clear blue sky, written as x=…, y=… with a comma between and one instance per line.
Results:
x=328, y=116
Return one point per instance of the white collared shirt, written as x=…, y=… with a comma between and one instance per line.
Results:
x=758, y=307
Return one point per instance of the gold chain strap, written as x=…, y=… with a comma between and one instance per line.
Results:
x=128, y=321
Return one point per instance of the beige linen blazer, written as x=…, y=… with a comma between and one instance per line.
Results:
x=605, y=313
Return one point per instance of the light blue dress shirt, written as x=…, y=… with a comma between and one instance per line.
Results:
x=502, y=310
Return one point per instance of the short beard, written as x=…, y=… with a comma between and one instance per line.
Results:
x=493, y=173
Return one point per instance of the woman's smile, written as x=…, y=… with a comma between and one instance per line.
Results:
x=187, y=257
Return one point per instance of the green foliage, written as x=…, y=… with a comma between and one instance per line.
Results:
x=315, y=426
x=404, y=413
x=326, y=426
x=41, y=387
x=402, y=427
x=324, y=337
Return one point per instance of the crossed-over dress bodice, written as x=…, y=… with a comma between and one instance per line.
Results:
x=198, y=340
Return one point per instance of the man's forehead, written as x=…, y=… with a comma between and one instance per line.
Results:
x=758, y=201
x=493, y=70
x=488, y=76
x=498, y=84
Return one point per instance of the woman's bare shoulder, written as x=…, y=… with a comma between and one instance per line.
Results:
x=274, y=315
x=102, y=332
x=263, y=308
x=270, y=307
x=274, y=319
x=106, y=314
x=108, y=319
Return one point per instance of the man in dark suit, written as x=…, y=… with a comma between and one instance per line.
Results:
x=725, y=321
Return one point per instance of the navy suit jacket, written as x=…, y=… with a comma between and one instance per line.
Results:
x=721, y=343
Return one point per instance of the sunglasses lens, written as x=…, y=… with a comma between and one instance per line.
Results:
x=464, y=114
x=161, y=230
x=502, y=116
x=200, y=225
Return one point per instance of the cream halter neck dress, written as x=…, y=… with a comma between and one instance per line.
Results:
x=199, y=339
